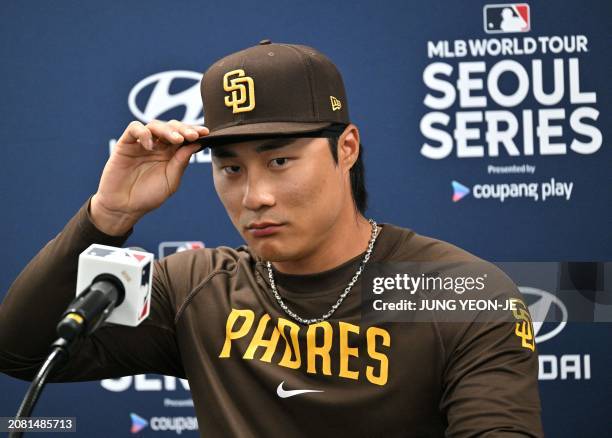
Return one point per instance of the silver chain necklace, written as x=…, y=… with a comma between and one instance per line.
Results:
x=343, y=295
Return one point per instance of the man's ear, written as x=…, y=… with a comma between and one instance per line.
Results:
x=348, y=147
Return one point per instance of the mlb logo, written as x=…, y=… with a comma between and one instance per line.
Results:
x=167, y=248
x=506, y=18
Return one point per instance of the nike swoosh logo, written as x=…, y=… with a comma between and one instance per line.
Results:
x=283, y=393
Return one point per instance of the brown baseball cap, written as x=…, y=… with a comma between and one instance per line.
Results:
x=272, y=89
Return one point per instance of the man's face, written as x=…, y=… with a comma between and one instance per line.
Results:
x=284, y=196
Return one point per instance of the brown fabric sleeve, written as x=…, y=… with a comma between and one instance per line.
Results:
x=42, y=291
x=491, y=379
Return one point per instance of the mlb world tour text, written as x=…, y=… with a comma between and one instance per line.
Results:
x=493, y=97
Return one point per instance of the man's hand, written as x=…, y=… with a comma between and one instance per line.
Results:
x=143, y=171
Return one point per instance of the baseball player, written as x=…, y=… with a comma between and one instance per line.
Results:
x=270, y=335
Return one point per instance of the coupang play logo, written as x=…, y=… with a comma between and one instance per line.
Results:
x=507, y=102
x=138, y=423
x=459, y=191
x=501, y=192
x=176, y=424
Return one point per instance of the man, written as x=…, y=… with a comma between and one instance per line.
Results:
x=271, y=334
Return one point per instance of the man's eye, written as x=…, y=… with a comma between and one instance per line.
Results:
x=231, y=170
x=279, y=162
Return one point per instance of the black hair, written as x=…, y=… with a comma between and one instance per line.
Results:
x=356, y=174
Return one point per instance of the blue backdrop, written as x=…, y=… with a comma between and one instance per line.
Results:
x=443, y=73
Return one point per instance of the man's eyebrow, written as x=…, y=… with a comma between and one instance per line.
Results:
x=276, y=143
x=221, y=152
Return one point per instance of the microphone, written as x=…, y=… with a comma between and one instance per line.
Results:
x=114, y=285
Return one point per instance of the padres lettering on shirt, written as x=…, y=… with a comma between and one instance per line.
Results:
x=319, y=337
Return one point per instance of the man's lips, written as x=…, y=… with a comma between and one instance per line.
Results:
x=260, y=229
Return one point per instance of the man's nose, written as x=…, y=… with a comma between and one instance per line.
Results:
x=257, y=194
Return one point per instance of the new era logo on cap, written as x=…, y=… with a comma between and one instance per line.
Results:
x=506, y=18
x=335, y=103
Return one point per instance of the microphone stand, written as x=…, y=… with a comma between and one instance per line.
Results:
x=58, y=355
x=70, y=328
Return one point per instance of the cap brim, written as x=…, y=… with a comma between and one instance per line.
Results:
x=260, y=130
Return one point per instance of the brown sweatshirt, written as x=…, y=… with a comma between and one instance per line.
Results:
x=215, y=321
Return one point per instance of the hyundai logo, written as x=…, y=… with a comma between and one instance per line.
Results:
x=545, y=302
x=160, y=100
